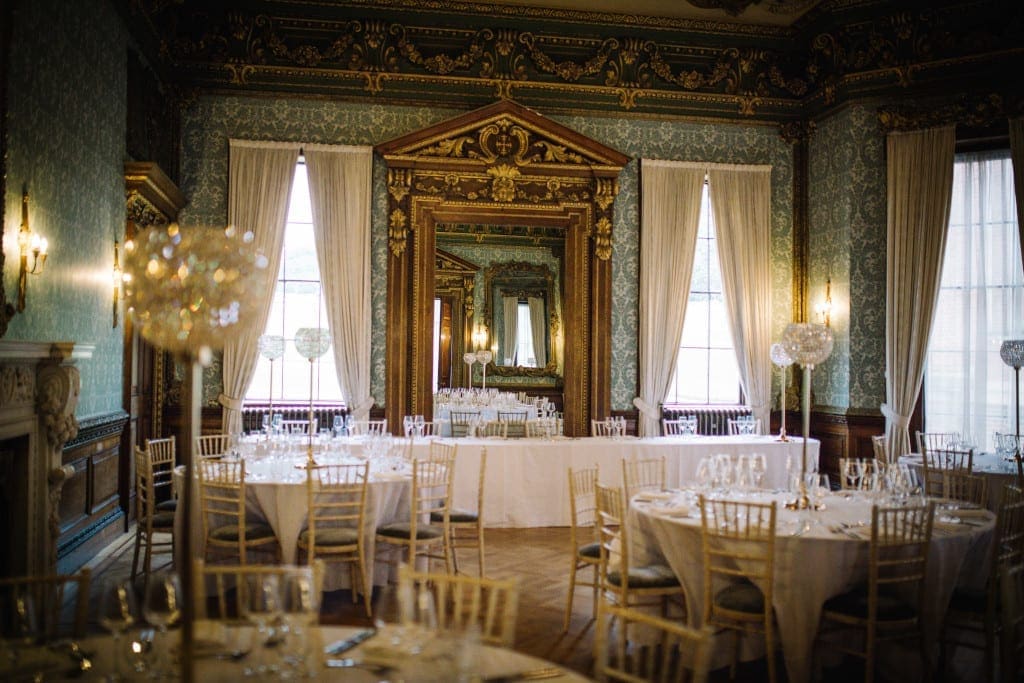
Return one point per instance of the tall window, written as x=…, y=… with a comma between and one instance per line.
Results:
x=706, y=370
x=967, y=388
x=298, y=302
x=525, y=355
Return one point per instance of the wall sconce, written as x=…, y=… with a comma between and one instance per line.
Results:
x=824, y=309
x=479, y=337
x=118, y=277
x=29, y=243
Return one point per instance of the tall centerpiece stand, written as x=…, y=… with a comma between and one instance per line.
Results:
x=781, y=360
x=311, y=343
x=271, y=347
x=1012, y=353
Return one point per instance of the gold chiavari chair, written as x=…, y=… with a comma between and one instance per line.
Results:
x=603, y=428
x=466, y=527
x=432, y=480
x=226, y=526
x=671, y=653
x=464, y=602
x=975, y=613
x=461, y=420
x=584, y=544
x=880, y=446
x=897, y=566
x=737, y=426
x=515, y=421
x=367, y=427
x=152, y=484
x=221, y=591
x=492, y=429
x=41, y=599
x=1011, y=642
x=738, y=550
x=646, y=474
x=679, y=426
x=336, y=531
x=621, y=581
x=964, y=487
x=936, y=462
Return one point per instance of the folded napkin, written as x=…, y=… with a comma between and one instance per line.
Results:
x=651, y=496
x=674, y=510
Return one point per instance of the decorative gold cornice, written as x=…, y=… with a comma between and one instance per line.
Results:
x=976, y=112
x=796, y=131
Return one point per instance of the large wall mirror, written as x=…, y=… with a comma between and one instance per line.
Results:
x=507, y=178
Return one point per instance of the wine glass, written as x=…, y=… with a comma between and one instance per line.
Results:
x=260, y=605
x=758, y=469
x=162, y=609
x=117, y=611
x=300, y=610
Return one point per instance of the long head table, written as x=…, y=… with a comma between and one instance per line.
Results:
x=526, y=482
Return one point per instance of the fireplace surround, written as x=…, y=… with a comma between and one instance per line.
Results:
x=39, y=388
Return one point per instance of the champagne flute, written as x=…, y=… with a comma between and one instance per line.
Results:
x=162, y=609
x=116, y=614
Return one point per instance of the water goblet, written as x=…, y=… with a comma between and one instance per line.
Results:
x=117, y=612
x=758, y=469
x=162, y=609
x=744, y=478
x=300, y=610
x=407, y=425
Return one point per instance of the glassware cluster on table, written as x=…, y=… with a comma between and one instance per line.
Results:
x=278, y=457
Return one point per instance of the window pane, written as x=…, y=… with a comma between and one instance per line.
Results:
x=695, y=327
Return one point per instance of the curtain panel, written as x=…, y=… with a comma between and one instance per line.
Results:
x=340, y=189
x=741, y=203
x=1017, y=154
x=669, y=217
x=538, y=329
x=259, y=188
x=920, y=187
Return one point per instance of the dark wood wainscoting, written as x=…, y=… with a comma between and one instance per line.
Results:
x=843, y=434
x=92, y=512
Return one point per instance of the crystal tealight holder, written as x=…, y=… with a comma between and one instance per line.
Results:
x=271, y=346
x=1012, y=353
x=312, y=342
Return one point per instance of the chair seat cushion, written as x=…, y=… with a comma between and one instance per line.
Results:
x=168, y=505
x=651, y=576
x=455, y=516
x=327, y=536
x=854, y=603
x=254, y=531
x=591, y=551
x=403, y=530
x=742, y=596
x=163, y=520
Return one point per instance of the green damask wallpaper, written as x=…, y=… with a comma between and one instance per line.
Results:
x=847, y=244
x=211, y=121
x=66, y=146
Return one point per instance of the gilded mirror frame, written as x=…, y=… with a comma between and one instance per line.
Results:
x=503, y=164
x=496, y=272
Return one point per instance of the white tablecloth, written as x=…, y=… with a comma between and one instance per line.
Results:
x=276, y=491
x=527, y=479
x=813, y=566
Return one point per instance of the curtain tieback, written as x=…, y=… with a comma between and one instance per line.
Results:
x=647, y=409
x=229, y=402
x=363, y=405
x=900, y=421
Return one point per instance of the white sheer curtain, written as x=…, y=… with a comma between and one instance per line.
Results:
x=967, y=386
x=741, y=203
x=339, y=190
x=510, y=331
x=669, y=216
x=1017, y=153
x=920, y=184
x=538, y=328
x=259, y=188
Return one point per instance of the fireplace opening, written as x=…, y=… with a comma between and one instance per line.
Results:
x=14, y=486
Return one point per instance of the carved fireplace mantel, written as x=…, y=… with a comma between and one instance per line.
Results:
x=39, y=389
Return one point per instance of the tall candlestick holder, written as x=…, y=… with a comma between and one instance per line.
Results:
x=1012, y=353
x=808, y=344
x=311, y=343
x=782, y=360
x=271, y=347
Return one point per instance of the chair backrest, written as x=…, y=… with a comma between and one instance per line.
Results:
x=515, y=421
x=462, y=603
x=432, y=483
x=481, y=477
x=222, y=492
x=930, y=441
x=680, y=426
x=1008, y=537
x=939, y=460
x=544, y=427
x=1011, y=641
x=300, y=426
x=461, y=421
x=737, y=542
x=583, y=498
x=643, y=474
x=603, y=428
x=741, y=426
x=222, y=590
x=673, y=653
x=212, y=445
x=442, y=452
x=38, y=602
x=335, y=497
x=493, y=428
x=611, y=533
x=367, y=427
x=969, y=488
x=898, y=555
x=422, y=429
x=154, y=482
x=880, y=445
x=162, y=450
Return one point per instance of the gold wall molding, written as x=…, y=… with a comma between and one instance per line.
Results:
x=984, y=111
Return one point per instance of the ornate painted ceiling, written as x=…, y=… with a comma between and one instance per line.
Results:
x=756, y=60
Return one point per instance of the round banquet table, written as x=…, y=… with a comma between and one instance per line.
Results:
x=811, y=564
x=995, y=468
x=276, y=492
x=214, y=642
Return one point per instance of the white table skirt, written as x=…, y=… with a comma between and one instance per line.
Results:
x=812, y=567
x=526, y=483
